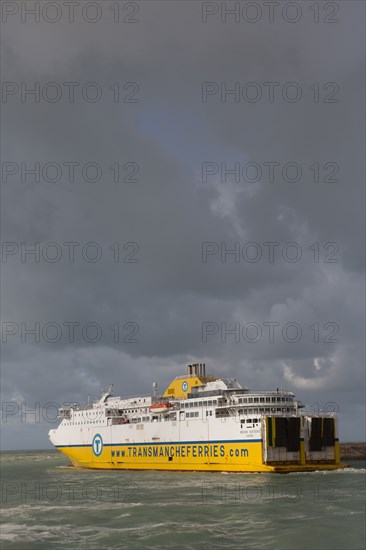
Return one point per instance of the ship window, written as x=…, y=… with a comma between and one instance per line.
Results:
x=196, y=414
x=249, y=411
x=256, y=400
x=255, y=419
x=240, y=401
x=117, y=453
x=268, y=399
x=273, y=400
x=261, y=399
x=209, y=403
x=250, y=400
x=267, y=409
x=112, y=453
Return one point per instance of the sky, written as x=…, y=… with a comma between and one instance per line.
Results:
x=184, y=184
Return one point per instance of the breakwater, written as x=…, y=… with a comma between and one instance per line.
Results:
x=353, y=451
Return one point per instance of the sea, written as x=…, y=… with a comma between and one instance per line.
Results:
x=48, y=504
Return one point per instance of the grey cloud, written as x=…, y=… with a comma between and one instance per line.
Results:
x=171, y=212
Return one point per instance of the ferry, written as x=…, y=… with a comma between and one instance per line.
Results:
x=200, y=423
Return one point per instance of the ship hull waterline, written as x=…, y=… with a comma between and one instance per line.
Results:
x=237, y=458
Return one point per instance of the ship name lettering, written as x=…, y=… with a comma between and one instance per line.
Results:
x=184, y=451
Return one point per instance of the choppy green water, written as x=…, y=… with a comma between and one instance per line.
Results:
x=48, y=505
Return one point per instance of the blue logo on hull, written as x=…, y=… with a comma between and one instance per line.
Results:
x=97, y=445
x=185, y=386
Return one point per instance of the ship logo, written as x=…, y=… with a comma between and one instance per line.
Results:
x=185, y=386
x=97, y=445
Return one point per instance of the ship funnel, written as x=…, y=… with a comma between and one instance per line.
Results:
x=202, y=370
x=197, y=369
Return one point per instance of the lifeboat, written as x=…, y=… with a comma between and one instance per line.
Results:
x=160, y=407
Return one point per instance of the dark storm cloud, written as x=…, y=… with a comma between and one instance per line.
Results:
x=170, y=211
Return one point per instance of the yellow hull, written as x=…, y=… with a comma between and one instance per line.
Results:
x=210, y=457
